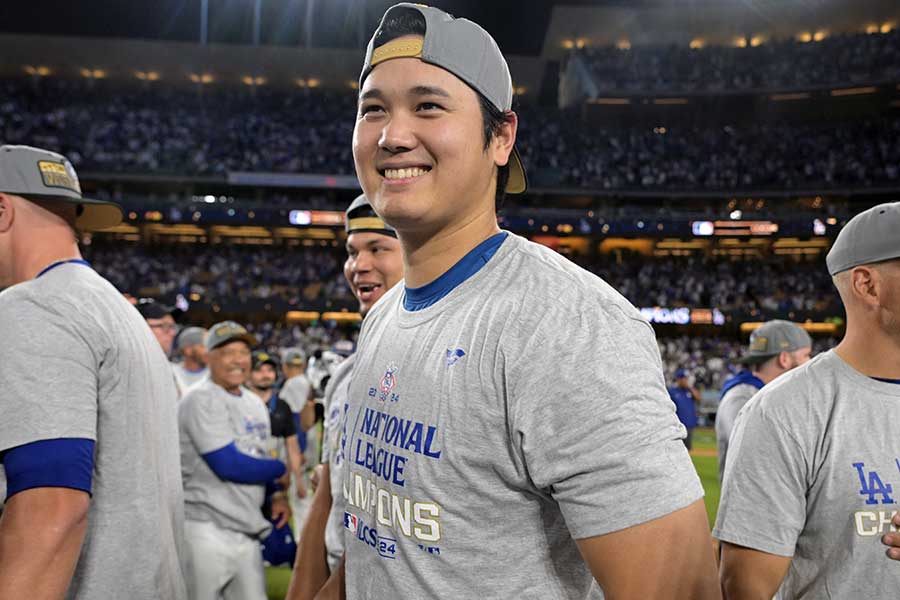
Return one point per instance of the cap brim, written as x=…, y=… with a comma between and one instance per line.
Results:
x=753, y=359
x=517, y=182
x=97, y=214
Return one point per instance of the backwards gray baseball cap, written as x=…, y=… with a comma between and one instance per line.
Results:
x=190, y=336
x=463, y=48
x=294, y=357
x=361, y=217
x=869, y=237
x=773, y=338
x=39, y=174
x=227, y=331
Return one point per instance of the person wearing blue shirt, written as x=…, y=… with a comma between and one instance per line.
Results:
x=686, y=399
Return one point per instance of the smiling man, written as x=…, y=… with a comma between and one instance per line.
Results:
x=374, y=265
x=225, y=435
x=508, y=430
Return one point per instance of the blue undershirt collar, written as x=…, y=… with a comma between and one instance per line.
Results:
x=884, y=380
x=422, y=297
x=59, y=263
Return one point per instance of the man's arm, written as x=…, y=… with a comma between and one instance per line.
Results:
x=334, y=588
x=295, y=464
x=41, y=532
x=311, y=565
x=670, y=557
x=749, y=574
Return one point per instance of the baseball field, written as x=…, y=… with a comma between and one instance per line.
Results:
x=703, y=455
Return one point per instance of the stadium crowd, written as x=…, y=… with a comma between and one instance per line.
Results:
x=836, y=59
x=164, y=130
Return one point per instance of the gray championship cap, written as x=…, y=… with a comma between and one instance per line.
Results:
x=190, y=336
x=869, y=237
x=294, y=357
x=39, y=174
x=774, y=337
x=227, y=331
x=361, y=217
x=462, y=48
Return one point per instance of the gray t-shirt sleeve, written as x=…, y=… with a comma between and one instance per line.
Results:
x=595, y=426
x=205, y=421
x=296, y=392
x=765, y=475
x=49, y=373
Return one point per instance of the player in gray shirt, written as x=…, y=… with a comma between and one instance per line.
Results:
x=225, y=440
x=810, y=486
x=374, y=265
x=775, y=348
x=508, y=429
x=88, y=436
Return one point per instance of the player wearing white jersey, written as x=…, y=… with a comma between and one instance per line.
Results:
x=374, y=265
x=508, y=430
x=94, y=504
x=810, y=485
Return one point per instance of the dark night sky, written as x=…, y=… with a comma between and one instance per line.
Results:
x=518, y=25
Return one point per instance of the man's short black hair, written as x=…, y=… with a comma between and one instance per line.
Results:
x=411, y=22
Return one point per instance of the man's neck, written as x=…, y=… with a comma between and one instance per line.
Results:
x=870, y=351
x=427, y=257
x=39, y=258
x=266, y=395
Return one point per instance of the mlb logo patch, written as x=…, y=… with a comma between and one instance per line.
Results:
x=351, y=522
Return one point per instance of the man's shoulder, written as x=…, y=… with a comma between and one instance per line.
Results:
x=800, y=391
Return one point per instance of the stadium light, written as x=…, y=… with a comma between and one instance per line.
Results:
x=887, y=27
x=254, y=81
x=820, y=35
x=697, y=43
x=623, y=44
x=568, y=44
x=201, y=78
x=872, y=28
x=740, y=42
x=756, y=40
x=37, y=71
x=520, y=90
x=353, y=84
x=805, y=37
x=93, y=73
x=313, y=82
x=581, y=43
x=147, y=75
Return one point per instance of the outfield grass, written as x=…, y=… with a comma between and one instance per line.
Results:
x=708, y=469
x=278, y=578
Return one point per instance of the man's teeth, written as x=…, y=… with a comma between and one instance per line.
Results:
x=404, y=173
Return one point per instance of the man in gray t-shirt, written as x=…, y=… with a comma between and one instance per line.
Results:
x=88, y=433
x=225, y=443
x=810, y=491
x=508, y=429
x=775, y=348
x=374, y=265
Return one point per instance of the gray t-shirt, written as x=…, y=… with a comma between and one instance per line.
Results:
x=186, y=378
x=333, y=455
x=812, y=474
x=729, y=407
x=210, y=418
x=78, y=361
x=487, y=432
x=296, y=392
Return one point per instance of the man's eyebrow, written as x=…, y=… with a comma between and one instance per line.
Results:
x=372, y=93
x=428, y=90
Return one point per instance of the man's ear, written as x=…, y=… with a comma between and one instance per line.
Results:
x=504, y=139
x=7, y=212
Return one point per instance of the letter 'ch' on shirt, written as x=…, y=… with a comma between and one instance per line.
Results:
x=813, y=472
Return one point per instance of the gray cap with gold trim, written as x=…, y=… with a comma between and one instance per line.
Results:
x=465, y=49
x=227, y=331
x=774, y=337
x=39, y=174
x=361, y=217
